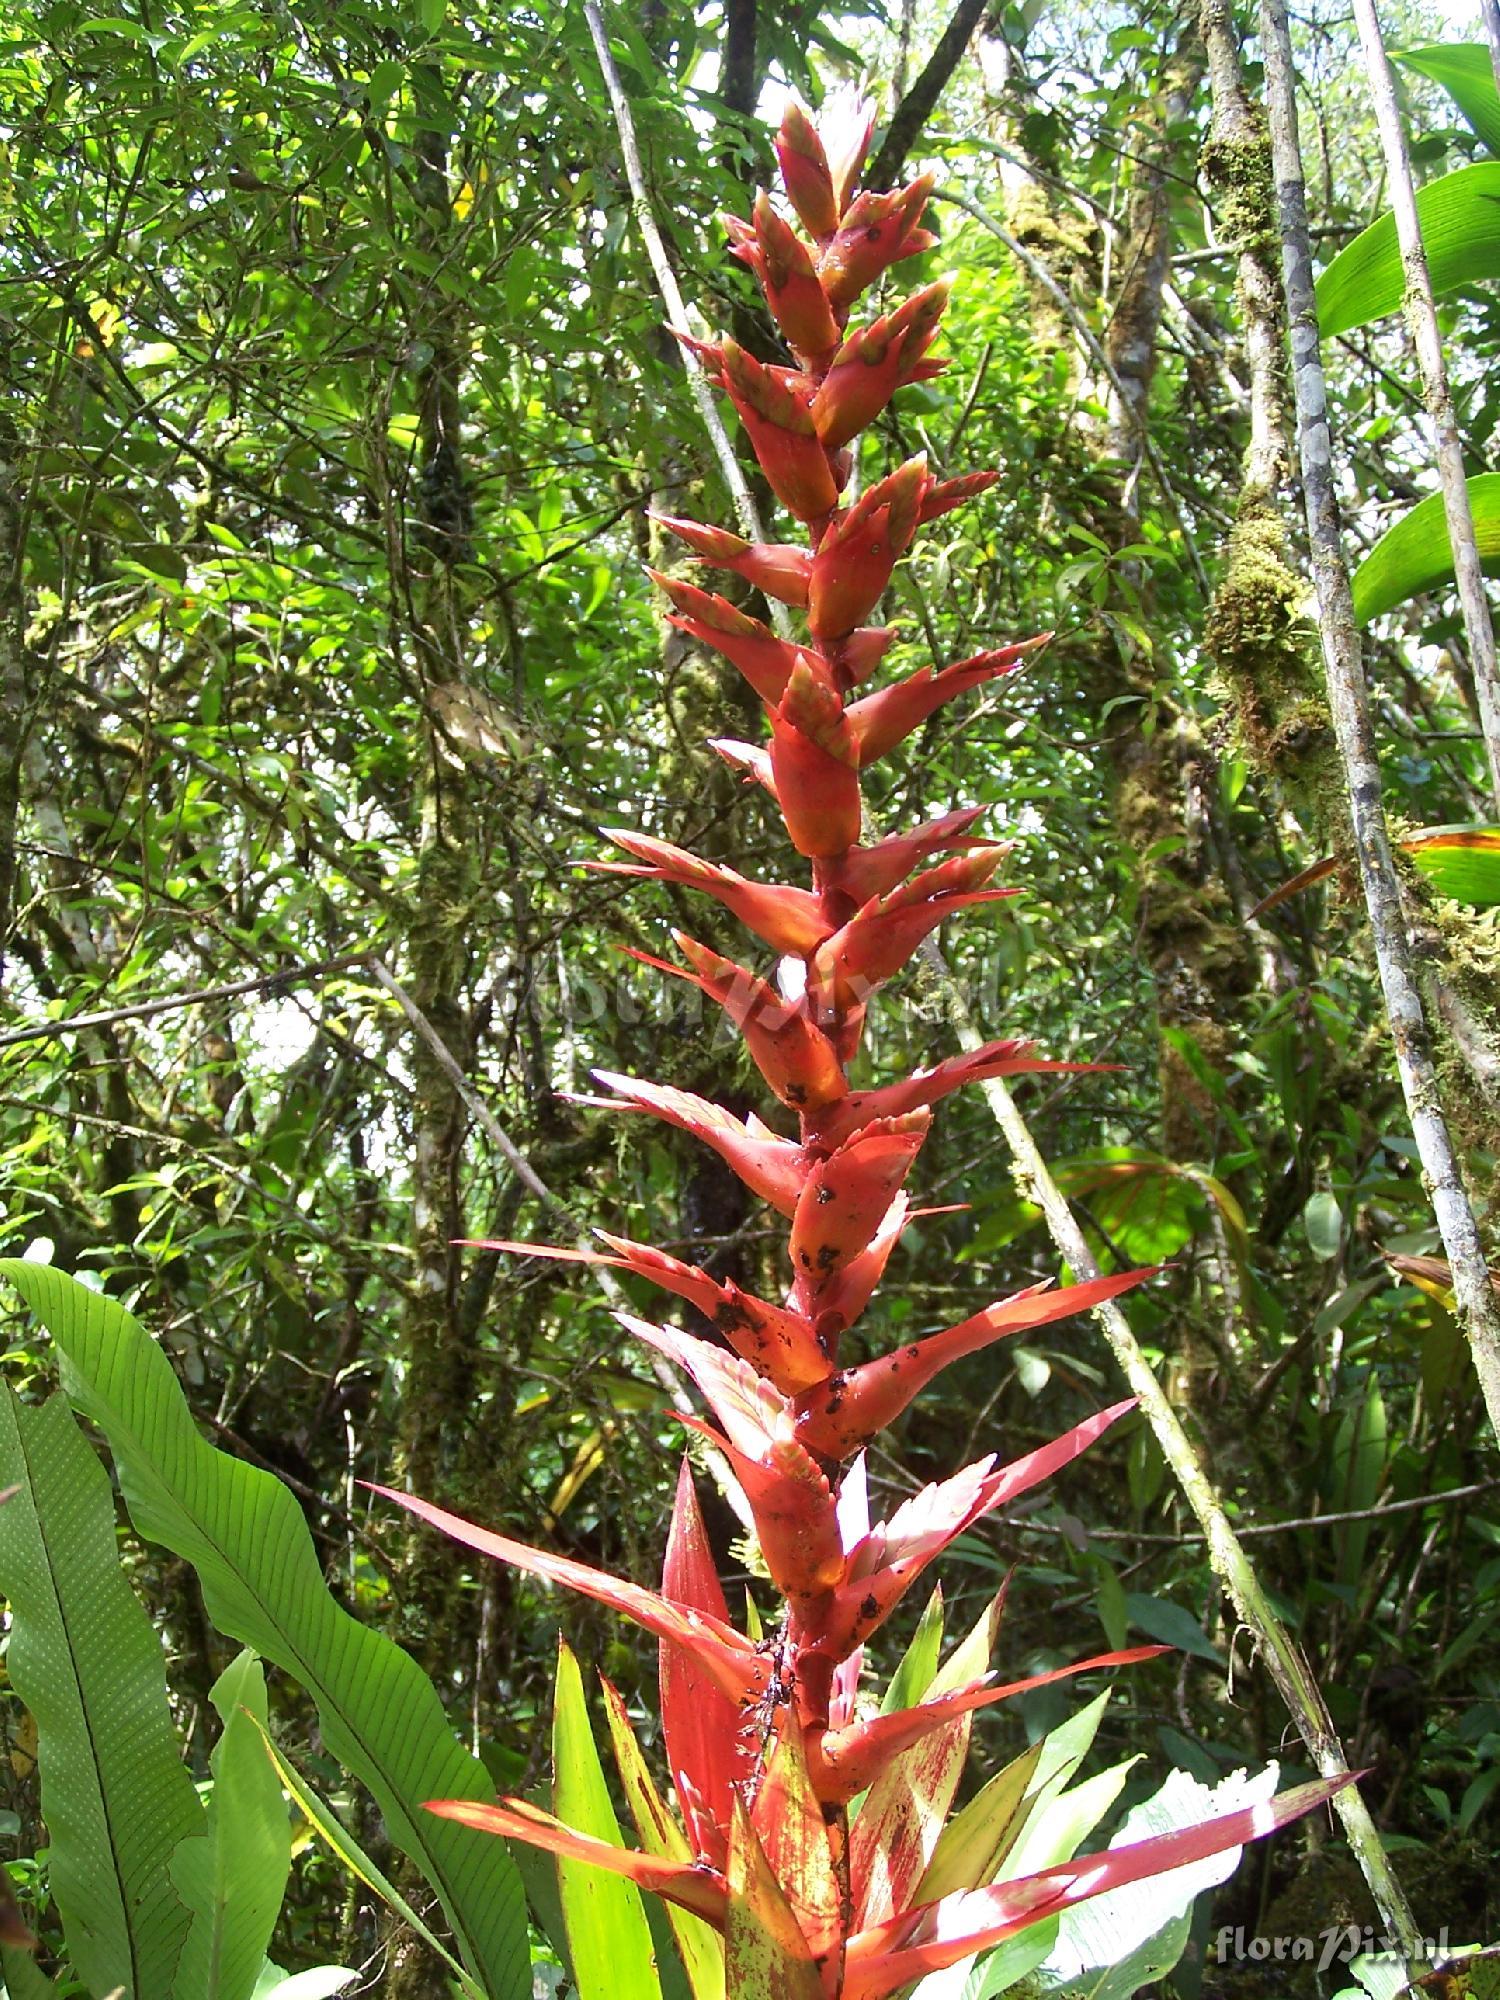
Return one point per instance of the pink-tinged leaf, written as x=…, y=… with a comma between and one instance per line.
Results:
x=909, y=1944
x=771, y=1167
x=868, y=872
x=698, y=1889
x=852, y=1406
x=789, y=919
x=1035, y=1467
x=797, y=1840
x=700, y=1723
x=897, y=1831
x=852, y=1758
x=724, y=1653
x=781, y=1345
x=766, y=1956
x=881, y=720
x=790, y=1498
x=927, y=1086
x=846, y=1197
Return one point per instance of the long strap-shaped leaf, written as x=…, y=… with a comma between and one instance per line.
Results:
x=245, y=1536
x=85, y=1661
x=235, y=1879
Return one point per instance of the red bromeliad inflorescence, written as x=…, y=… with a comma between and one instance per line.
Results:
x=766, y=1740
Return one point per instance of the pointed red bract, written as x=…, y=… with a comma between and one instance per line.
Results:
x=856, y=556
x=769, y=1166
x=880, y=721
x=790, y=920
x=779, y=569
x=706, y=1750
x=845, y=1412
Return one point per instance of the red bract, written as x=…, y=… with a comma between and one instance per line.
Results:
x=766, y=1740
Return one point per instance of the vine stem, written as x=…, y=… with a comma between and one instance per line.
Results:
x=1421, y=317
x=1230, y=1563
x=1348, y=700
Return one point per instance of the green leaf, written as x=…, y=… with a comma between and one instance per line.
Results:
x=1416, y=555
x=318, y=1982
x=1460, y=218
x=1323, y=1222
x=1465, y=71
x=84, y=1659
x=608, y=1936
x=320, y=1817
x=699, y=1945
x=917, y=1665
x=263, y=1585
x=21, y=1978
x=233, y=1879
x=1159, y=1618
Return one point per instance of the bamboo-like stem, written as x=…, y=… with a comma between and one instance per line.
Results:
x=1349, y=701
x=1226, y=1554
x=1421, y=315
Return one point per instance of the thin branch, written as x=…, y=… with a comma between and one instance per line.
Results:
x=1421, y=314
x=917, y=106
x=1259, y=1528
x=1226, y=1555
x=1348, y=698
x=144, y=1010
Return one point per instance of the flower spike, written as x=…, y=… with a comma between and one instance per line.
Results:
x=769, y=1739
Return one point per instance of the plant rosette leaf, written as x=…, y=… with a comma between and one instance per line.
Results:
x=1126, y=1940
